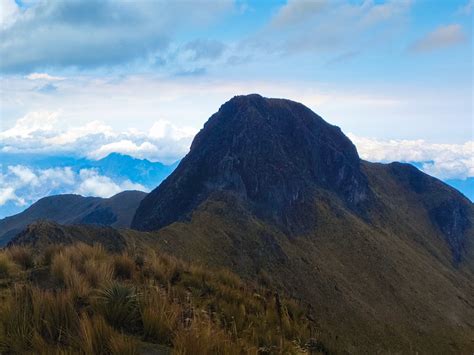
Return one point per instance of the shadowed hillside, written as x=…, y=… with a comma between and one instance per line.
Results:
x=116, y=211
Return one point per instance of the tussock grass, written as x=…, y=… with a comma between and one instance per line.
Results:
x=160, y=317
x=22, y=256
x=95, y=302
x=124, y=266
x=7, y=267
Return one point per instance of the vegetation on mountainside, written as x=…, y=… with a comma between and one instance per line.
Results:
x=84, y=299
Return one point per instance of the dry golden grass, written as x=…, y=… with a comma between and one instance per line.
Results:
x=92, y=302
x=124, y=266
x=7, y=267
x=160, y=317
x=22, y=256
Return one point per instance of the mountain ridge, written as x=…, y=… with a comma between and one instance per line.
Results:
x=116, y=211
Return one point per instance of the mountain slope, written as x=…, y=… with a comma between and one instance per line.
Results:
x=383, y=254
x=116, y=211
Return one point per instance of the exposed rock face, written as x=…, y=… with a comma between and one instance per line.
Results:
x=272, y=153
x=447, y=208
x=451, y=216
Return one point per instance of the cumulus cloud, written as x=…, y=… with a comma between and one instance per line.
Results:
x=8, y=194
x=441, y=37
x=444, y=161
x=32, y=123
x=39, y=132
x=126, y=146
x=95, y=33
x=93, y=184
x=23, y=185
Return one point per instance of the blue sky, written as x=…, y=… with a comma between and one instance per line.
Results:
x=88, y=78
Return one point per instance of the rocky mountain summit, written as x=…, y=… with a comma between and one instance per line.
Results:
x=277, y=156
x=272, y=154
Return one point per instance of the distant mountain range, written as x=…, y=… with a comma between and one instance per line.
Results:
x=381, y=254
x=114, y=165
x=117, y=167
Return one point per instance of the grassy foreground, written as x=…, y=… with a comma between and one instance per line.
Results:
x=82, y=299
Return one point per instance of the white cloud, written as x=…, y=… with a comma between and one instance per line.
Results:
x=43, y=76
x=24, y=174
x=441, y=37
x=23, y=185
x=93, y=184
x=444, y=161
x=8, y=194
x=165, y=129
x=9, y=12
x=39, y=132
x=33, y=122
x=125, y=146
x=75, y=133
x=123, y=31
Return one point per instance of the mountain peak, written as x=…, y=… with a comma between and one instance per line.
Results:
x=273, y=154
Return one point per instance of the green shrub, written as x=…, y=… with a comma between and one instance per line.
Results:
x=118, y=303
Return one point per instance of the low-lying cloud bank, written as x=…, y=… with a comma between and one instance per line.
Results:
x=23, y=185
x=444, y=161
x=39, y=132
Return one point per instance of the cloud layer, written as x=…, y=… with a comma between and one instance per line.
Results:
x=444, y=161
x=95, y=33
x=38, y=132
x=22, y=185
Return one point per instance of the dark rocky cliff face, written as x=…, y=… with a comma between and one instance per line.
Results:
x=272, y=153
x=448, y=209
